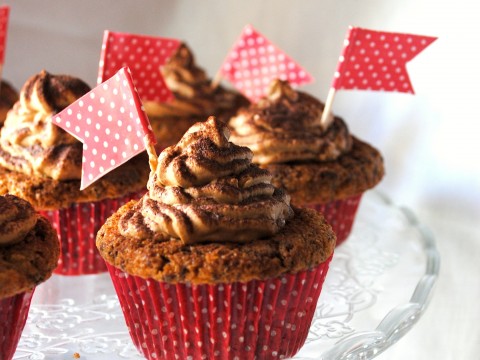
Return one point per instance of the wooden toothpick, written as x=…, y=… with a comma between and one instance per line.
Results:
x=327, y=116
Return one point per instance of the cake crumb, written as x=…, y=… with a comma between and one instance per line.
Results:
x=76, y=355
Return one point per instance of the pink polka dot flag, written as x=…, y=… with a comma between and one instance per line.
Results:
x=111, y=123
x=4, y=14
x=376, y=60
x=254, y=62
x=144, y=55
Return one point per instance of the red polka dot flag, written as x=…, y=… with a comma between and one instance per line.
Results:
x=111, y=123
x=144, y=55
x=254, y=62
x=376, y=60
x=4, y=14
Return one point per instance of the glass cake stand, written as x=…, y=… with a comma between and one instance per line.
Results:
x=379, y=284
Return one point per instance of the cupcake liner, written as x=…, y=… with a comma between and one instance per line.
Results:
x=13, y=315
x=267, y=319
x=77, y=228
x=340, y=214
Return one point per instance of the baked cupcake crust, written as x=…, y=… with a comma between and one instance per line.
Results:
x=319, y=182
x=45, y=193
x=304, y=242
x=25, y=264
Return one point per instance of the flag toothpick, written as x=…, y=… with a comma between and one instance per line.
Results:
x=144, y=56
x=4, y=16
x=327, y=114
x=374, y=60
x=112, y=125
x=152, y=154
x=254, y=62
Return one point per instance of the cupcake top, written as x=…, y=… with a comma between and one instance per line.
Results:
x=206, y=205
x=8, y=97
x=194, y=93
x=206, y=189
x=284, y=126
x=31, y=143
x=29, y=247
x=42, y=163
x=314, y=165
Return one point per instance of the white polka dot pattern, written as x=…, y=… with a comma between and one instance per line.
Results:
x=340, y=214
x=255, y=320
x=376, y=60
x=111, y=123
x=77, y=227
x=4, y=15
x=254, y=62
x=144, y=55
x=13, y=315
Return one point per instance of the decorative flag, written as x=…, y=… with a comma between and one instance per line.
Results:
x=111, y=124
x=4, y=14
x=254, y=62
x=376, y=60
x=144, y=55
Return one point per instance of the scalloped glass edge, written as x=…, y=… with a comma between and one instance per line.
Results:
x=71, y=324
x=399, y=320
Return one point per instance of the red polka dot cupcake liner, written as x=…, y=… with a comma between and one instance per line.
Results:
x=13, y=316
x=340, y=214
x=267, y=319
x=77, y=227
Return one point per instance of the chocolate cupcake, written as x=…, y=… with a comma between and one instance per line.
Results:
x=326, y=169
x=29, y=251
x=213, y=262
x=42, y=164
x=196, y=98
x=8, y=97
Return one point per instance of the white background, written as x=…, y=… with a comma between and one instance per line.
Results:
x=430, y=141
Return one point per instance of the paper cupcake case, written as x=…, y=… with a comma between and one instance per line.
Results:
x=340, y=214
x=77, y=227
x=13, y=315
x=255, y=320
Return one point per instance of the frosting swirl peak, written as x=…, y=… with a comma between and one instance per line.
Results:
x=202, y=155
x=285, y=126
x=205, y=188
x=30, y=142
x=195, y=98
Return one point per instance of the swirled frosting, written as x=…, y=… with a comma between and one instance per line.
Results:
x=285, y=126
x=17, y=219
x=8, y=97
x=30, y=142
x=194, y=93
x=205, y=188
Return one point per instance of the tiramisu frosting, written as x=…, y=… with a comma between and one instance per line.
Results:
x=8, y=97
x=285, y=126
x=30, y=142
x=194, y=93
x=205, y=188
x=17, y=219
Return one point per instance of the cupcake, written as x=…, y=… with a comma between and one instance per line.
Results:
x=8, y=97
x=29, y=251
x=42, y=164
x=213, y=262
x=196, y=98
x=325, y=169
